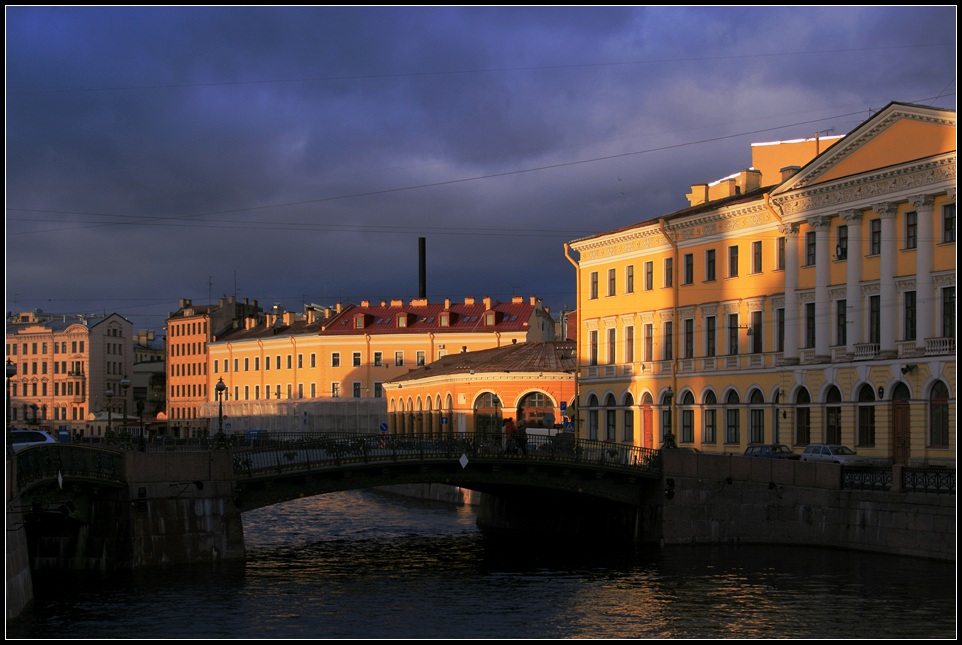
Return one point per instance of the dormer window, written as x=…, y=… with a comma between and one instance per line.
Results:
x=402, y=320
x=490, y=318
x=445, y=319
x=359, y=321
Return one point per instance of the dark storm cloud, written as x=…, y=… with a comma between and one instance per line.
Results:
x=295, y=154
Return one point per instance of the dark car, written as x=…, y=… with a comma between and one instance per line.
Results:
x=770, y=451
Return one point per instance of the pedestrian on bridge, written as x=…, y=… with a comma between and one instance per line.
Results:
x=510, y=434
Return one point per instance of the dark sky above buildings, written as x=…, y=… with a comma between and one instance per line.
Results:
x=296, y=155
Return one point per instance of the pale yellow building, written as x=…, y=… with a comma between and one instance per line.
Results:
x=350, y=351
x=819, y=308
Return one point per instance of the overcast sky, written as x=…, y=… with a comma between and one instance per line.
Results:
x=296, y=155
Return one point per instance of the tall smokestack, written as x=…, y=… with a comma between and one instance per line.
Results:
x=422, y=285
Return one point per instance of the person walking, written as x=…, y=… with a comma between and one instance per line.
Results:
x=510, y=433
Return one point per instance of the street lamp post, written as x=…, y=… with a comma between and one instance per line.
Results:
x=124, y=384
x=110, y=417
x=220, y=389
x=11, y=373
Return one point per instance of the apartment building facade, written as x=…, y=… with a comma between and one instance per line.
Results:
x=818, y=308
x=350, y=351
x=69, y=373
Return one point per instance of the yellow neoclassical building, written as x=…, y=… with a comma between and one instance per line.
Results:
x=808, y=299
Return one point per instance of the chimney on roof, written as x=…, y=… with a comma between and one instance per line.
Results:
x=447, y=303
x=788, y=172
x=487, y=303
x=422, y=280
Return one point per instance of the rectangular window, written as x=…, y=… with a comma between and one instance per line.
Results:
x=710, y=265
x=841, y=322
x=247, y=364
x=710, y=336
x=731, y=425
x=911, y=230
x=948, y=223
x=629, y=344
x=356, y=390
x=593, y=347
x=689, y=268
x=841, y=243
x=948, y=312
x=756, y=257
x=669, y=271
x=611, y=346
x=809, y=324
x=378, y=390
x=277, y=363
x=909, y=321
x=756, y=425
x=593, y=286
x=687, y=426
x=711, y=426
x=356, y=359
x=689, y=341
x=300, y=361
x=874, y=319
x=378, y=360
x=611, y=282
x=732, y=334
x=649, y=276
x=421, y=357
x=649, y=342
x=810, y=249
x=335, y=390
x=875, y=237
x=630, y=278
x=756, y=332
x=313, y=360
x=780, y=329
x=398, y=359
x=669, y=341
x=336, y=359
x=780, y=254
x=732, y=261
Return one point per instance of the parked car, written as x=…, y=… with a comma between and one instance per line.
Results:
x=833, y=453
x=770, y=451
x=21, y=439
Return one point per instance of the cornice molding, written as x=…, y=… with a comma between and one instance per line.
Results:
x=868, y=188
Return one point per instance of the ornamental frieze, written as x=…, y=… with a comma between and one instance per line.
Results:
x=866, y=189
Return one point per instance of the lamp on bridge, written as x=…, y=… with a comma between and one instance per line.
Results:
x=668, y=440
x=11, y=372
x=110, y=418
x=124, y=384
x=220, y=389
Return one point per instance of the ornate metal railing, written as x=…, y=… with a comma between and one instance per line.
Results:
x=49, y=461
x=867, y=477
x=290, y=452
x=929, y=480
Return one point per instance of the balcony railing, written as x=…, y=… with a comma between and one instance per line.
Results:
x=939, y=346
x=866, y=351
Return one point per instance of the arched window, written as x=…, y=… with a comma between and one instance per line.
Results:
x=610, y=418
x=487, y=414
x=939, y=416
x=803, y=417
x=687, y=417
x=668, y=437
x=756, y=416
x=732, y=418
x=866, y=416
x=628, y=432
x=833, y=416
x=533, y=408
x=710, y=433
x=592, y=405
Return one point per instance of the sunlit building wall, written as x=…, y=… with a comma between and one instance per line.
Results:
x=817, y=309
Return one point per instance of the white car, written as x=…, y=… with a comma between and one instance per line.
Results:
x=832, y=453
x=21, y=439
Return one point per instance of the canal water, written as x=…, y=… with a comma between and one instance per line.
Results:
x=367, y=564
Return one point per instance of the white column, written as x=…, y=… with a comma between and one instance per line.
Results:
x=790, y=231
x=823, y=259
x=925, y=300
x=888, y=294
x=853, y=281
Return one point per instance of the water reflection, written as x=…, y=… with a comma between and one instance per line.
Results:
x=368, y=565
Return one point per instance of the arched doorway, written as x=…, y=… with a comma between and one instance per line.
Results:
x=901, y=424
x=534, y=409
x=487, y=415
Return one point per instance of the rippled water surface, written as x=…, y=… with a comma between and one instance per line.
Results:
x=366, y=564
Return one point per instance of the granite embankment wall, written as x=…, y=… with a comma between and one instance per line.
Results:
x=718, y=499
